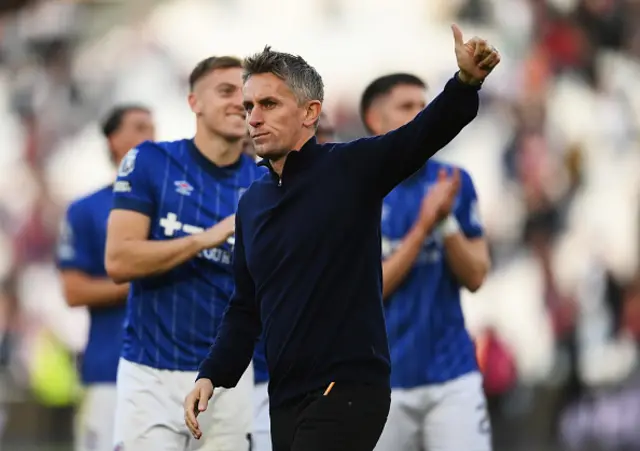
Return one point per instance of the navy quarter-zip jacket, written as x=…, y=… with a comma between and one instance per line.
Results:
x=307, y=260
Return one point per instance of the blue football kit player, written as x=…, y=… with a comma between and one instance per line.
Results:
x=80, y=260
x=261, y=424
x=432, y=246
x=170, y=234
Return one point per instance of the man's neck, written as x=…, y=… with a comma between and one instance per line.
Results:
x=218, y=150
x=278, y=164
x=116, y=157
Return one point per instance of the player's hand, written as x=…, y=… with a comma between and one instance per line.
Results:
x=217, y=234
x=195, y=403
x=438, y=202
x=476, y=58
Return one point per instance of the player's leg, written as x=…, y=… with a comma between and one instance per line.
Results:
x=459, y=418
x=350, y=418
x=144, y=411
x=228, y=422
x=261, y=436
x=404, y=424
x=95, y=419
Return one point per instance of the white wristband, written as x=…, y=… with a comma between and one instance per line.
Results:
x=449, y=226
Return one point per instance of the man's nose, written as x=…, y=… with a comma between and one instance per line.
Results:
x=255, y=118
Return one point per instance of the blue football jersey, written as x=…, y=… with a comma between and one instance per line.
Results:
x=172, y=318
x=81, y=247
x=427, y=336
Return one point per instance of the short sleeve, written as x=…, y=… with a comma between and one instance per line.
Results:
x=74, y=247
x=133, y=188
x=466, y=211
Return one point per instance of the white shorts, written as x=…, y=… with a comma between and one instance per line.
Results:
x=444, y=417
x=261, y=420
x=94, y=421
x=149, y=413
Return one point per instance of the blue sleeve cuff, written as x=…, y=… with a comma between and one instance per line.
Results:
x=473, y=233
x=128, y=203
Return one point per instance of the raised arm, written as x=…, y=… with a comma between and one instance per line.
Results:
x=386, y=160
x=130, y=254
x=240, y=328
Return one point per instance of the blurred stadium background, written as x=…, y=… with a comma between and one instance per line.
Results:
x=555, y=154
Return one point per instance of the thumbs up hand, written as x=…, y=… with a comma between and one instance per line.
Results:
x=476, y=58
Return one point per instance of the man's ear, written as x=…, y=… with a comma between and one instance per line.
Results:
x=193, y=103
x=312, y=114
x=373, y=120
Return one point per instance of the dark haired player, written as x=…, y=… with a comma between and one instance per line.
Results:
x=170, y=235
x=437, y=400
x=80, y=258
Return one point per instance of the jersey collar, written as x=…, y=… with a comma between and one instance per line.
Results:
x=210, y=166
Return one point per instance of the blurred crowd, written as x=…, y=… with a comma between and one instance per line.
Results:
x=555, y=155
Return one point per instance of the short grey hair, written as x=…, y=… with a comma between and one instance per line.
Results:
x=303, y=79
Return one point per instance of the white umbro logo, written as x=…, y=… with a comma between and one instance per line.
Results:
x=183, y=187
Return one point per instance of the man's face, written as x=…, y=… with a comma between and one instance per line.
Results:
x=136, y=126
x=326, y=132
x=217, y=100
x=275, y=118
x=397, y=108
